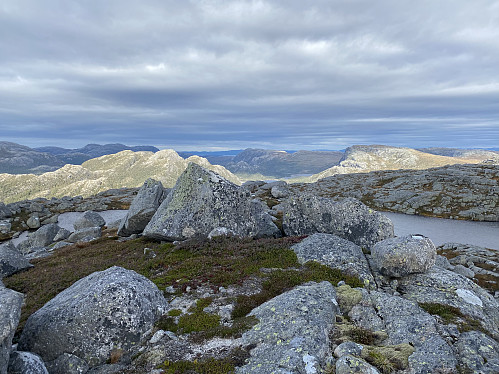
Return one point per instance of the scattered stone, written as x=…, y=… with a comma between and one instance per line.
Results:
x=106, y=310
x=11, y=260
x=335, y=252
x=349, y=219
x=10, y=312
x=201, y=201
x=401, y=256
x=348, y=348
x=464, y=271
x=220, y=231
x=89, y=219
x=33, y=222
x=42, y=237
x=280, y=191
x=143, y=207
x=26, y=363
x=85, y=235
x=62, y=234
x=349, y=364
x=292, y=335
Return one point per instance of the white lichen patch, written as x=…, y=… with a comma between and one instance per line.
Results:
x=469, y=297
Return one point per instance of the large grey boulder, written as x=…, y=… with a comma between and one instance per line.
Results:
x=201, y=201
x=89, y=219
x=143, y=207
x=85, y=235
x=11, y=260
x=10, y=312
x=349, y=219
x=292, y=335
x=26, y=363
x=401, y=256
x=335, y=252
x=106, y=310
x=42, y=237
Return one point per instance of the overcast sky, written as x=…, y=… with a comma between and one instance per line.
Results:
x=289, y=74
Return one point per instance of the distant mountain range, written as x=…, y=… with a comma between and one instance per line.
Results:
x=19, y=159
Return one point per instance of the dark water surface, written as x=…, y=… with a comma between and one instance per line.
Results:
x=440, y=231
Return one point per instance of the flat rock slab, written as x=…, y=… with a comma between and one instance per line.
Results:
x=292, y=335
x=202, y=201
x=335, y=252
x=106, y=310
x=349, y=219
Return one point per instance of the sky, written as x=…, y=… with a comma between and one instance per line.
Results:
x=283, y=74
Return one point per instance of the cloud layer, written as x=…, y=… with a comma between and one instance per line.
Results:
x=208, y=74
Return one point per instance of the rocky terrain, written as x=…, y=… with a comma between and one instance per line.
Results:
x=457, y=191
x=366, y=158
x=120, y=170
x=476, y=154
x=19, y=159
x=290, y=282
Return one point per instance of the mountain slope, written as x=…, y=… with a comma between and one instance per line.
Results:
x=123, y=169
x=366, y=158
x=16, y=158
x=476, y=154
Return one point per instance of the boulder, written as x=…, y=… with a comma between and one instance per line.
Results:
x=349, y=219
x=348, y=348
x=10, y=312
x=335, y=252
x=292, y=333
x=11, y=260
x=349, y=364
x=89, y=219
x=85, y=235
x=62, y=234
x=106, y=310
x=201, y=201
x=42, y=237
x=26, y=363
x=4, y=211
x=33, y=222
x=401, y=256
x=143, y=207
x=280, y=191
x=67, y=364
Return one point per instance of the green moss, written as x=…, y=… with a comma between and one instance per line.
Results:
x=361, y=335
x=450, y=314
x=388, y=358
x=200, y=321
x=166, y=323
x=209, y=366
x=347, y=297
x=174, y=312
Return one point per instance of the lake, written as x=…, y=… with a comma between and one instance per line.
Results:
x=440, y=231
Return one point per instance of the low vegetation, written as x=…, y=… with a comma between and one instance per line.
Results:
x=450, y=314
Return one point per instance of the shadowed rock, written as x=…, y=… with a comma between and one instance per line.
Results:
x=89, y=219
x=143, y=207
x=106, y=310
x=202, y=201
x=11, y=260
x=10, y=312
x=26, y=363
x=349, y=219
x=42, y=237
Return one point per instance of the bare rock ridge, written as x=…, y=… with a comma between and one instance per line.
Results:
x=123, y=169
x=349, y=297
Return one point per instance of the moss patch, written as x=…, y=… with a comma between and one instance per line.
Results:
x=450, y=314
x=388, y=358
x=348, y=297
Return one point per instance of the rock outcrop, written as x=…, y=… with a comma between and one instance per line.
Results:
x=10, y=312
x=398, y=257
x=143, y=207
x=11, y=260
x=26, y=363
x=202, y=201
x=292, y=336
x=106, y=310
x=348, y=219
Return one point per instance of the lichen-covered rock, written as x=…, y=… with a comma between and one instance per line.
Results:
x=67, y=364
x=292, y=335
x=401, y=256
x=42, y=237
x=406, y=322
x=62, y=234
x=10, y=312
x=33, y=222
x=448, y=288
x=349, y=364
x=5, y=212
x=335, y=252
x=478, y=353
x=280, y=191
x=11, y=260
x=349, y=219
x=106, y=310
x=348, y=348
x=89, y=219
x=143, y=207
x=26, y=363
x=201, y=201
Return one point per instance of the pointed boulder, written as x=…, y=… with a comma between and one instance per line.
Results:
x=202, y=201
